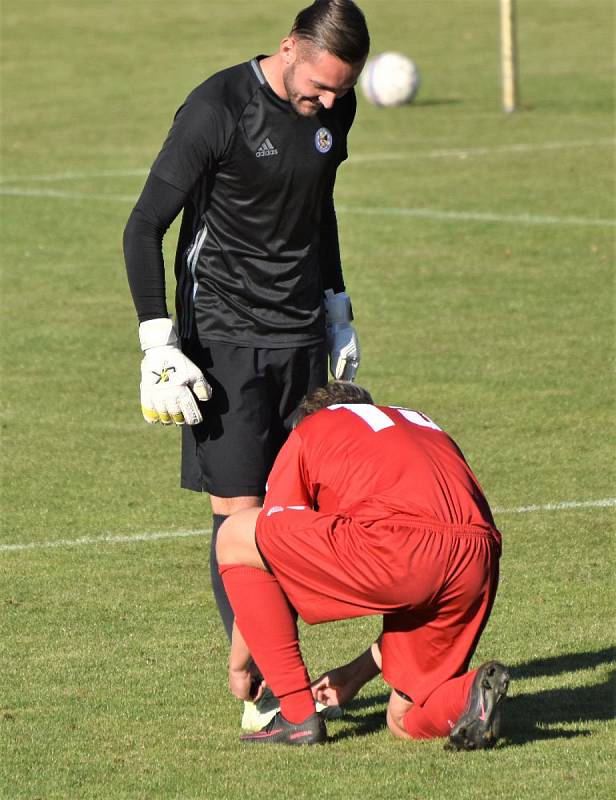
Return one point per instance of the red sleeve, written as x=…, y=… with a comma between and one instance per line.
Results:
x=288, y=485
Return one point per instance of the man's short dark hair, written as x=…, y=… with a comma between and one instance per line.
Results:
x=335, y=393
x=336, y=26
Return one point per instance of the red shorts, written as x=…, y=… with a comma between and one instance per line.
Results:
x=434, y=584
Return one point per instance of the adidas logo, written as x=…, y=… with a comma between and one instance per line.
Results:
x=266, y=149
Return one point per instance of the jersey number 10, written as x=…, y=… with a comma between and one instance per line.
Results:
x=378, y=420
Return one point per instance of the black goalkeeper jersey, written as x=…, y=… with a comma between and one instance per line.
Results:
x=258, y=241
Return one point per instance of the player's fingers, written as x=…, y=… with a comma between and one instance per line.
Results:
x=160, y=406
x=319, y=694
x=189, y=408
x=175, y=412
x=349, y=369
x=327, y=696
x=169, y=405
x=336, y=366
x=319, y=688
x=202, y=389
x=150, y=415
x=256, y=692
x=340, y=368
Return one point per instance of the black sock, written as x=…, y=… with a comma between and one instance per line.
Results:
x=222, y=601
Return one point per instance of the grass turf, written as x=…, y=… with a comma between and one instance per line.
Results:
x=478, y=250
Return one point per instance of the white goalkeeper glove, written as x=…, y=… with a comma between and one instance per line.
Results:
x=342, y=340
x=167, y=377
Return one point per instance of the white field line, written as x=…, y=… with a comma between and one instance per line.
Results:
x=471, y=152
x=59, y=194
x=152, y=537
x=607, y=502
x=475, y=216
x=423, y=213
x=106, y=539
x=459, y=153
x=75, y=176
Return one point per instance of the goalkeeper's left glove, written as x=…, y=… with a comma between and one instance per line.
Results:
x=342, y=340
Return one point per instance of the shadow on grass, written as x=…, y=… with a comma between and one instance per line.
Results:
x=527, y=717
x=527, y=714
x=566, y=663
x=363, y=723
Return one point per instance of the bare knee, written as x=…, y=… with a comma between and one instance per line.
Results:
x=236, y=539
x=397, y=709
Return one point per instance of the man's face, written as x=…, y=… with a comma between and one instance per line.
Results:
x=315, y=79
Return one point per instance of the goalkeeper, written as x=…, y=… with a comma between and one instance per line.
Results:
x=251, y=162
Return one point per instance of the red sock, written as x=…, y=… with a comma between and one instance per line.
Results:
x=267, y=623
x=441, y=710
x=297, y=706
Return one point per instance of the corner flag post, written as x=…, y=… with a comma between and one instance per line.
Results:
x=509, y=58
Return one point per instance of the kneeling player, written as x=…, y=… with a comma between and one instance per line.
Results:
x=369, y=510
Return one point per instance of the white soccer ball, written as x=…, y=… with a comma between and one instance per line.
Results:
x=390, y=79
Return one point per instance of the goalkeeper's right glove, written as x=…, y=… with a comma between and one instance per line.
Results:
x=167, y=377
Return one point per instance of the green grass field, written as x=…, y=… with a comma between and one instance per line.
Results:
x=478, y=249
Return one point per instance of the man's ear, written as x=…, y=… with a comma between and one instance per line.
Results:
x=288, y=50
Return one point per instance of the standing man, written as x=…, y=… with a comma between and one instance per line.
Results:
x=251, y=161
x=369, y=510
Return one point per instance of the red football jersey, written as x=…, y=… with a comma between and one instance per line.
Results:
x=376, y=462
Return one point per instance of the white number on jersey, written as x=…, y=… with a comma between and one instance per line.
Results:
x=417, y=418
x=373, y=416
x=378, y=420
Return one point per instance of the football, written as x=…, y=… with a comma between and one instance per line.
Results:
x=390, y=79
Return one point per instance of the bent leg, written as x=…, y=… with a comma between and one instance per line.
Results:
x=398, y=709
x=437, y=716
x=222, y=507
x=427, y=657
x=264, y=617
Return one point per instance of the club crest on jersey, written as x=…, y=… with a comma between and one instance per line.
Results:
x=323, y=140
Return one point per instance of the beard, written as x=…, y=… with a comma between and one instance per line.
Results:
x=301, y=104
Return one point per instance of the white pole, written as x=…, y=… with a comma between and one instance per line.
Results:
x=509, y=59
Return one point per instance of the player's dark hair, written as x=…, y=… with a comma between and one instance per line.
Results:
x=335, y=393
x=336, y=26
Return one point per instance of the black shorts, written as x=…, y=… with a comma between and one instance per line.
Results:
x=255, y=392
